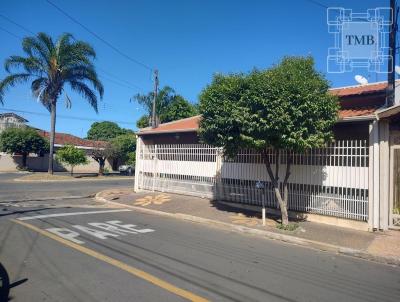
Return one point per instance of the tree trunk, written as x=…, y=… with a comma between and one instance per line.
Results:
x=289, y=159
x=24, y=156
x=101, y=166
x=72, y=170
x=275, y=184
x=52, y=135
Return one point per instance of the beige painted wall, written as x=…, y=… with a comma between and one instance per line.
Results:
x=9, y=163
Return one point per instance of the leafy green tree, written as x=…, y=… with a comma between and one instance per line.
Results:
x=105, y=131
x=119, y=149
x=131, y=158
x=287, y=108
x=143, y=121
x=51, y=66
x=70, y=155
x=100, y=154
x=23, y=141
x=178, y=109
x=169, y=107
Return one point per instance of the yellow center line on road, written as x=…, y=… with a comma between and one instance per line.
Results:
x=121, y=265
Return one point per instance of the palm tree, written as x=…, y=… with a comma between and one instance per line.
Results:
x=50, y=66
x=164, y=98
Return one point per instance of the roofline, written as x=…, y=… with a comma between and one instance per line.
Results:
x=359, y=118
x=169, y=123
x=167, y=131
x=355, y=86
x=79, y=147
x=387, y=112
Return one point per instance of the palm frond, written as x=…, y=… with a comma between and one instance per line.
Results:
x=34, y=48
x=11, y=81
x=38, y=85
x=30, y=64
x=86, y=92
x=84, y=73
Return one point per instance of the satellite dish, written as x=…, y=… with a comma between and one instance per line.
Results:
x=397, y=69
x=361, y=80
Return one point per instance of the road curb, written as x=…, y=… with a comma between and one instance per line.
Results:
x=48, y=198
x=267, y=234
x=71, y=180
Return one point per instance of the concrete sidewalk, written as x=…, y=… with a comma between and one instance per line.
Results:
x=378, y=246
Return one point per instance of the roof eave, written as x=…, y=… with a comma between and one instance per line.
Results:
x=359, y=118
x=166, y=131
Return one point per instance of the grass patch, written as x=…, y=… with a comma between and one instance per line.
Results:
x=290, y=227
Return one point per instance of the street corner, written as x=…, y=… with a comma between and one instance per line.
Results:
x=149, y=200
x=113, y=194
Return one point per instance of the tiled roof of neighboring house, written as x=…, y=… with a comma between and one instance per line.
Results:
x=184, y=125
x=354, y=112
x=64, y=138
x=191, y=124
x=18, y=117
x=359, y=89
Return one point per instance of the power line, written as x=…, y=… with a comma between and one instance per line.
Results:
x=17, y=24
x=98, y=37
x=66, y=116
x=10, y=33
x=118, y=78
x=317, y=3
x=118, y=83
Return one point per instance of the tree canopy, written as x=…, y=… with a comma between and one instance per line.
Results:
x=50, y=66
x=23, y=141
x=284, y=107
x=105, y=131
x=121, y=146
x=169, y=106
x=72, y=156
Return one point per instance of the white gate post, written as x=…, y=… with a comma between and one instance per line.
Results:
x=218, y=176
x=384, y=175
x=155, y=166
x=373, y=173
x=138, y=164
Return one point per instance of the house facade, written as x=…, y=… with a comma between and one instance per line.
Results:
x=355, y=178
x=10, y=163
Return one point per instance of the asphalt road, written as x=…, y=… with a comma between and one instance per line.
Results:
x=174, y=261
x=11, y=190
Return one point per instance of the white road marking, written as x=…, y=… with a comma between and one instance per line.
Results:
x=66, y=234
x=96, y=233
x=72, y=214
x=114, y=228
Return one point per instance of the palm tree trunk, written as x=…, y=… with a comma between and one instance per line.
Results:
x=52, y=135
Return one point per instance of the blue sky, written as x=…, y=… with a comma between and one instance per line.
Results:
x=188, y=41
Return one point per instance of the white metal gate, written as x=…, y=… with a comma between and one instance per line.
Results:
x=330, y=181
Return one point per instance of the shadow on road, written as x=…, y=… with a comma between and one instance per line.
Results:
x=20, y=212
x=5, y=285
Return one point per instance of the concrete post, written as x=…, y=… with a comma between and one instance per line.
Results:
x=373, y=184
x=384, y=168
x=138, y=162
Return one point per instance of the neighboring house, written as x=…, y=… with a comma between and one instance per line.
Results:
x=357, y=177
x=11, y=120
x=9, y=163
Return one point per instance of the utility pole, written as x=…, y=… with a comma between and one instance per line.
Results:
x=153, y=113
x=390, y=94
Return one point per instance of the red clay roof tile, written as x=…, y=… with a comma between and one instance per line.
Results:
x=64, y=138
